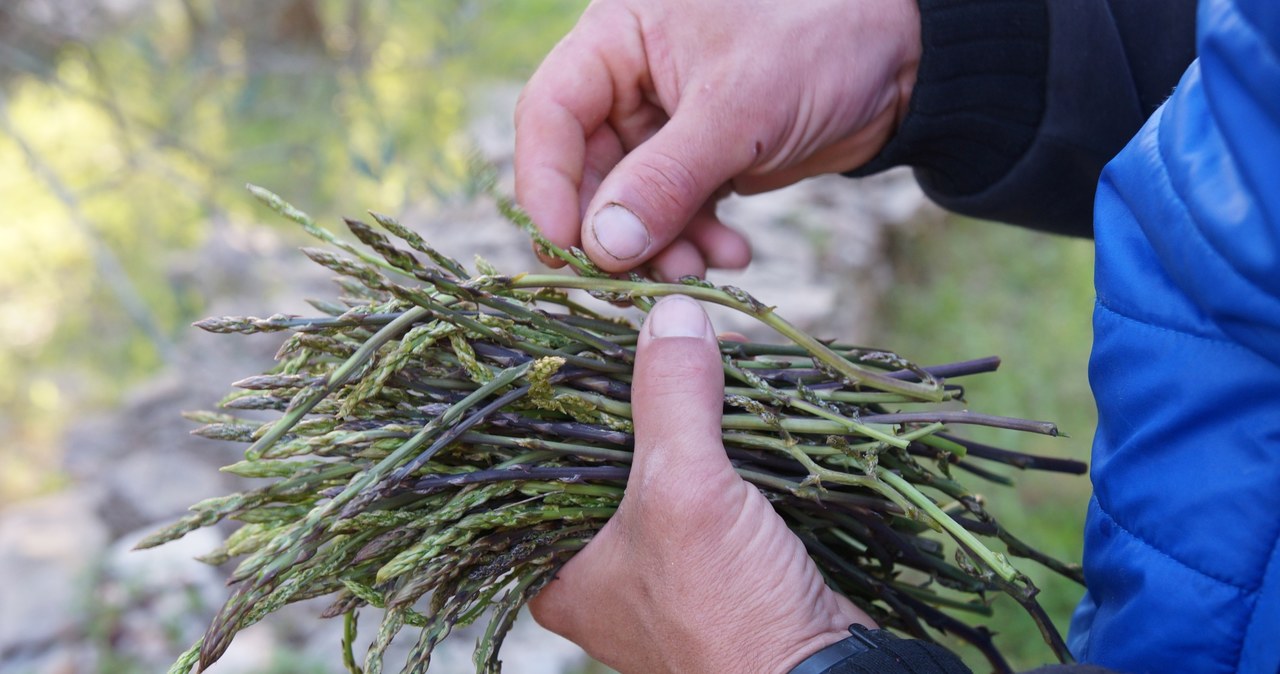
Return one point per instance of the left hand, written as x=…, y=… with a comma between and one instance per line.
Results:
x=695, y=572
x=649, y=111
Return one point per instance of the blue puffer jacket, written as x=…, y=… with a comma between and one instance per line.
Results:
x=1182, y=547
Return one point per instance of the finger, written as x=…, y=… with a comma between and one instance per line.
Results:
x=549, y=164
x=677, y=400
x=604, y=151
x=706, y=244
x=655, y=191
x=564, y=103
x=678, y=260
x=637, y=124
x=722, y=247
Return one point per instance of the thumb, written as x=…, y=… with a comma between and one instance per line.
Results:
x=649, y=198
x=677, y=398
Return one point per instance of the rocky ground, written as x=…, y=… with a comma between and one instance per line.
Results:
x=77, y=599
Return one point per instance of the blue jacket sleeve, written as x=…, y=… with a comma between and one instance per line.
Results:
x=1182, y=541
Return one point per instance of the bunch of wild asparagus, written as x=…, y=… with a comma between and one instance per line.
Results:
x=447, y=440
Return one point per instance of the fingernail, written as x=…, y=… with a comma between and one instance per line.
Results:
x=619, y=232
x=678, y=316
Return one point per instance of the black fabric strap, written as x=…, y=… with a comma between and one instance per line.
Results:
x=879, y=652
x=825, y=660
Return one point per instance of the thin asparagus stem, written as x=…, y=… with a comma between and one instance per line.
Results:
x=949, y=417
x=763, y=314
x=444, y=442
x=308, y=398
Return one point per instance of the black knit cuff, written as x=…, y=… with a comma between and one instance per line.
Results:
x=880, y=652
x=979, y=94
x=901, y=656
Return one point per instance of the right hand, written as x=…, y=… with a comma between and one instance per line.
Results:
x=649, y=110
x=695, y=572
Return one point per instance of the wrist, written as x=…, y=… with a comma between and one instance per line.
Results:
x=900, y=23
x=813, y=645
x=832, y=627
x=981, y=66
x=912, y=46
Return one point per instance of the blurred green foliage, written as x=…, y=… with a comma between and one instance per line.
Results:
x=971, y=289
x=126, y=136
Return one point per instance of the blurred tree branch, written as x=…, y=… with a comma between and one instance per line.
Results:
x=105, y=260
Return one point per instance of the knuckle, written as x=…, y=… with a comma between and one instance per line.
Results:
x=667, y=183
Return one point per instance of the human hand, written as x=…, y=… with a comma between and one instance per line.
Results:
x=695, y=572
x=649, y=110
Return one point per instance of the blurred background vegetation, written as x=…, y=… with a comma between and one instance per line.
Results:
x=974, y=288
x=128, y=127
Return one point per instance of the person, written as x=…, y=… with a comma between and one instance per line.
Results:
x=648, y=111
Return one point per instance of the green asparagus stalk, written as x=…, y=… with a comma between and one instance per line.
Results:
x=446, y=443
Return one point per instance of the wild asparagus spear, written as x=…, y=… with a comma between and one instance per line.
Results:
x=451, y=439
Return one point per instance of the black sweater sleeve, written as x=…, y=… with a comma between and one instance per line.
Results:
x=1018, y=104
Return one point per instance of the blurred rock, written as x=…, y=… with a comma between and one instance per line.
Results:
x=256, y=649
x=148, y=465
x=159, y=600
x=528, y=648
x=73, y=659
x=47, y=550
x=146, y=488
x=819, y=251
